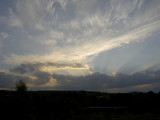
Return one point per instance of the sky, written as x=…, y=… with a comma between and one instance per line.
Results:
x=95, y=45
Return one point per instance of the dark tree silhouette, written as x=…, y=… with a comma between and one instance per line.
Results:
x=21, y=86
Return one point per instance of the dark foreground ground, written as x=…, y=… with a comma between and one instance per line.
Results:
x=78, y=105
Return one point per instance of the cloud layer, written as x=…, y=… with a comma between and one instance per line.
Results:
x=115, y=82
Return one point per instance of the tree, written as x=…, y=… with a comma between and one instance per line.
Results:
x=21, y=86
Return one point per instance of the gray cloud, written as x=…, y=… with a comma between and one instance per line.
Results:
x=112, y=83
x=116, y=82
x=40, y=73
x=25, y=68
x=42, y=78
x=8, y=80
x=30, y=68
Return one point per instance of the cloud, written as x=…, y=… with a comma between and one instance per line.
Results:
x=46, y=67
x=31, y=74
x=74, y=30
x=35, y=79
x=24, y=68
x=89, y=34
x=3, y=36
x=83, y=50
x=28, y=12
x=14, y=20
x=109, y=83
x=49, y=42
x=8, y=80
x=42, y=78
x=83, y=6
x=53, y=36
x=41, y=73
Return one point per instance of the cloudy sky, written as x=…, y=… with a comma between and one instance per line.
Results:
x=102, y=45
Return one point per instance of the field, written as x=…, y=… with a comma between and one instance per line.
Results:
x=79, y=105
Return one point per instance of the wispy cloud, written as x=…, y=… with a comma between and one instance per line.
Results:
x=3, y=36
x=14, y=21
x=83, y=50
x=70, y=32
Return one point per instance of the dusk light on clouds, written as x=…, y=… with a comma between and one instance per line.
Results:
x=102, y=45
